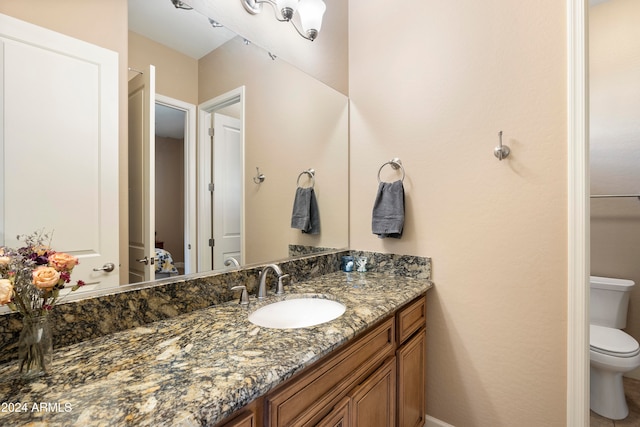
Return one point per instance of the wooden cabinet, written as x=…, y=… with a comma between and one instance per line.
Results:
x=249, y=416
x=411, y=360
x=373, y=402
x=378, y=380
x=411, y=319
x=340, y=416
x=305, y=400
x=244, y=419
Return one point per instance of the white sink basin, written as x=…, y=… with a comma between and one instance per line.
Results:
x=297, y=313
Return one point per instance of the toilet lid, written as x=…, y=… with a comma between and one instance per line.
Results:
x=612, y=341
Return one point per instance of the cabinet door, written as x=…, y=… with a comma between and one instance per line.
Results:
x=411, y=359
x=246, y=419
x=373, y=403
x=339, y=416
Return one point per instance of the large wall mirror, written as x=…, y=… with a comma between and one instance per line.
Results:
x=288, y=121
x=281, y=122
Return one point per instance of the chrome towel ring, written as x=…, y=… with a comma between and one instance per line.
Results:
x=396, y=164
x=312, y=177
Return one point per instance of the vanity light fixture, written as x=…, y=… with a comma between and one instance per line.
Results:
x=310, y=13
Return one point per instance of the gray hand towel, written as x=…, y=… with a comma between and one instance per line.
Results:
x=388, y=210
x=305, y=215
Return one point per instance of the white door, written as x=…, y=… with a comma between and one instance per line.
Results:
x=59, y=146
x=141, y=177
x=227, y=194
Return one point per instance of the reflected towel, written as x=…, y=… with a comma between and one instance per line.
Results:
x=306, y=215
x=388, y=210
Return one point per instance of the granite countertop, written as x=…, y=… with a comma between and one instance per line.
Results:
x=197, y=368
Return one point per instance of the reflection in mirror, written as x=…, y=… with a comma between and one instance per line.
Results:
x=292, y=123
x=289, y=122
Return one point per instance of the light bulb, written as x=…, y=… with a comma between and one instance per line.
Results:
x=311, y=12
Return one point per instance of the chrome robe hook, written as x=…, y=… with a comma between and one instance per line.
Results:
x=259, y=178
x=501, y=151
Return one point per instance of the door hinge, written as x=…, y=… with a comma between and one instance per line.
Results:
x=212, y=242
x=211, y=132
x=211, y=186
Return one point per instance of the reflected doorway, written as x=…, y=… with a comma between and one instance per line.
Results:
x=221, y=182
x=174, y=237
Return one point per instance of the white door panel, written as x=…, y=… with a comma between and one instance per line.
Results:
x=227, y=220
x=142, y=176
x=59, y=138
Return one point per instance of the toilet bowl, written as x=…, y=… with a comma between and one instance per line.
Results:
x=612, y=352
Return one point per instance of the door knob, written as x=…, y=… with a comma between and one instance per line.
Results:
x=107, y=268
x=146, y=260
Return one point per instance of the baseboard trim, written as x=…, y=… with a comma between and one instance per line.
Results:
x=434, y=422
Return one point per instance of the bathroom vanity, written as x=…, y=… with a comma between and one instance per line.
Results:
x=213, y=367
x=372, y=381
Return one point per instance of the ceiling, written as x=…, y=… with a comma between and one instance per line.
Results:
x=185, y=31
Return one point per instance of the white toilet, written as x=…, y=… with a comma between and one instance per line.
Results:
x=612, y=351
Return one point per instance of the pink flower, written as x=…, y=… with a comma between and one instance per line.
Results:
x=62, y=262
x=6, y=291
x=45, y=277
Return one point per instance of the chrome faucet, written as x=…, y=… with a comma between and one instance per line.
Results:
x=231, y=260
x=262, y=287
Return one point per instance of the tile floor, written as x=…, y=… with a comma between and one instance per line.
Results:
x=632, y=391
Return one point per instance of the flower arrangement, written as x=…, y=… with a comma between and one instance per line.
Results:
x=31, y=279
x=32, y=276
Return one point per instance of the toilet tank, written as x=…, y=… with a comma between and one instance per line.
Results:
x=609, y=299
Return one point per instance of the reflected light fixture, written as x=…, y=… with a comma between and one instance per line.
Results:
x=310, y=13
x=215, y=24
x=180, y=5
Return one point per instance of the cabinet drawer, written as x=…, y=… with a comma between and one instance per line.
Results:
x=314, y=391
x=245, y=419
x=412, y=318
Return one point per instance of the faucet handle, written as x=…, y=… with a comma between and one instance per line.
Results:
x=280, y=289
x=244, y=297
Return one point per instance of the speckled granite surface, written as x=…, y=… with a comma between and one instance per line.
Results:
x=134, y=305
x=196, y=368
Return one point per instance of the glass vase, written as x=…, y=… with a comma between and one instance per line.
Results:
x=35, y=346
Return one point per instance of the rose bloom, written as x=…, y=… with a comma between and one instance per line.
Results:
x=45, y=277
x=6, y=291
x=4, y=260
x=62, y=262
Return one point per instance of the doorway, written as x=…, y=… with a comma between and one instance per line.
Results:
x=175, y=142
x=578, y=269
x=221, y=183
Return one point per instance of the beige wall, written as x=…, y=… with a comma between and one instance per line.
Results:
x=170, y=195
x=103, y=23
x=176, y=74
x=615, y=146
x=433, y=83
x=292, y=123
